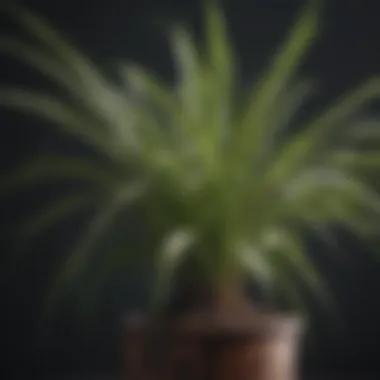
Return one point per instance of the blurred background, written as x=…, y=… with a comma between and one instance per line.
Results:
x=112, y=30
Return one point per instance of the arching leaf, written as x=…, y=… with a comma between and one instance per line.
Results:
x=81, y=253
x=61, y=115
x=283, y=69
x=303, y=147
x=174, y=249
x=47, y=217
x=40, y=60
x=49, y=168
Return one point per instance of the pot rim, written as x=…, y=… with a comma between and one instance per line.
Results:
x=261, y=324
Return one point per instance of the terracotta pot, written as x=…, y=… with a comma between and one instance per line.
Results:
x=230, y=343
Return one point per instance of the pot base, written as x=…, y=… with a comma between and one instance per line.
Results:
x=204, y=346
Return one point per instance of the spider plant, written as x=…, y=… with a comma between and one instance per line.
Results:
x=224, y=180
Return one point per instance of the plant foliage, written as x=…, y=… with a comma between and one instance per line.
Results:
x=223, y=181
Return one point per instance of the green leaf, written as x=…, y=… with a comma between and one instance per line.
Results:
x=174, y=249
x=307, y=143
x=56, y=211
x=368, y=129
x=66, y=118
x=290, y=252
x=297, y=257
x=154, y=129
x=81, y=77
x=48, y=216
x=146, y=85
x=331, y=196
x=221, y=72
x=82, y=251
x=219, y=48
x=288, y=103
x=189, y=72
x=39, y=60
x=260, y=104
x=327, y=236
x=279, y=131
x=193, y=84
x=49, y=168
x=85, y=71
x=351, y=160
x=257, y=265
